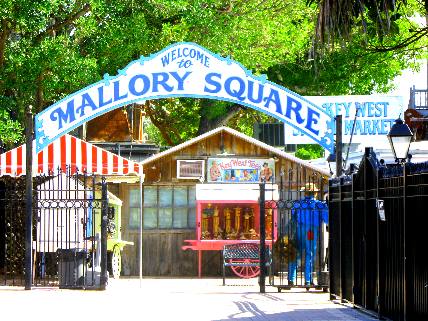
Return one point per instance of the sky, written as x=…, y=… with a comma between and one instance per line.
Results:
x=409, y=79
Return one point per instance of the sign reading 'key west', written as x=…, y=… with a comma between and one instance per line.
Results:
x=184, y=70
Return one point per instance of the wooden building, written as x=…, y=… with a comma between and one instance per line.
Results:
x=174, y=179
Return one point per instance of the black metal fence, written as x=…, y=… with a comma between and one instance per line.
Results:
x=67, y=230
x=378, y=238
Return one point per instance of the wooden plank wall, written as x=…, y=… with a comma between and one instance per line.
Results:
x=164, y=170
x=162, y=253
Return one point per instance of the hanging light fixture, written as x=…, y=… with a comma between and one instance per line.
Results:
x=400, y=137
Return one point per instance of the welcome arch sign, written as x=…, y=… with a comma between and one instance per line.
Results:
x=184, y=70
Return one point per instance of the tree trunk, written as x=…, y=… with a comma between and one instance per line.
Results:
x=4, y=33
x=206, y=124
x=39, y=93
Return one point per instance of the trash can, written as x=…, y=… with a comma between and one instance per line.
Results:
x=71, y=268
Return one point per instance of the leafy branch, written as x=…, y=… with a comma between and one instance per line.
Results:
x=415, y=37
x=59, y=25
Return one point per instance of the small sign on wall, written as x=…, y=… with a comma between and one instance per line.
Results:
x=380, y=209
x=240, y=170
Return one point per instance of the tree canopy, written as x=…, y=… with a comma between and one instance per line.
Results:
x=338, y=21
x=51, y=48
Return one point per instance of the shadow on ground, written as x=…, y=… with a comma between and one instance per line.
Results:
x=248, y=311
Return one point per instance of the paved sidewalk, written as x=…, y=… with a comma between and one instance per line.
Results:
x=173, y=299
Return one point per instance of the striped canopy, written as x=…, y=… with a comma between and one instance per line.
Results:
x=67, y=151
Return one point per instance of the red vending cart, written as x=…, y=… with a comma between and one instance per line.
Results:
x=230, y=213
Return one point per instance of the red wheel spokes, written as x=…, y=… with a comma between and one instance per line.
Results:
x=244, y=271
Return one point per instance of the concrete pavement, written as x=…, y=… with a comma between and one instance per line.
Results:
x=174, y=299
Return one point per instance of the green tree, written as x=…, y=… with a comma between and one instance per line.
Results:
x=51, y=48
x=309, y=151
x=9, y=130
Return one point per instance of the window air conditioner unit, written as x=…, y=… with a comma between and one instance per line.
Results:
x=191, y=169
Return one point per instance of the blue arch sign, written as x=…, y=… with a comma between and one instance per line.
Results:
x=184, y=70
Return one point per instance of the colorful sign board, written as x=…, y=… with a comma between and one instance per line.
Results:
x=240, y=170
x=369, y=117
x=184, y=70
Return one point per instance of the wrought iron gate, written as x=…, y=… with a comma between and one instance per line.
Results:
x=69, y=233
x=300, y=251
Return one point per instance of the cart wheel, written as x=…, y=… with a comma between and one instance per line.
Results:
x=245, y=272
x=115, y=262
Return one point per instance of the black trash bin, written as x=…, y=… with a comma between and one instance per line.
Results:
x=71, y=268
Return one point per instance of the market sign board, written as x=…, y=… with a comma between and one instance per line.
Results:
x=369, y=117
x=240, y=170
x=184, y=70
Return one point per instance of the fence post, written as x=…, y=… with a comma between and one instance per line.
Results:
x=331, y=223
x=367, y=153
x=104, y=209
x=339, y=160
x=412, y=98
x=262, y=280
x=378, y=297
x=404, y=244
x=341, y=181
x=353, y=236
x=29, y=201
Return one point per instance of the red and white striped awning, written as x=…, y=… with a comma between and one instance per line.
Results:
x=67, y=151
